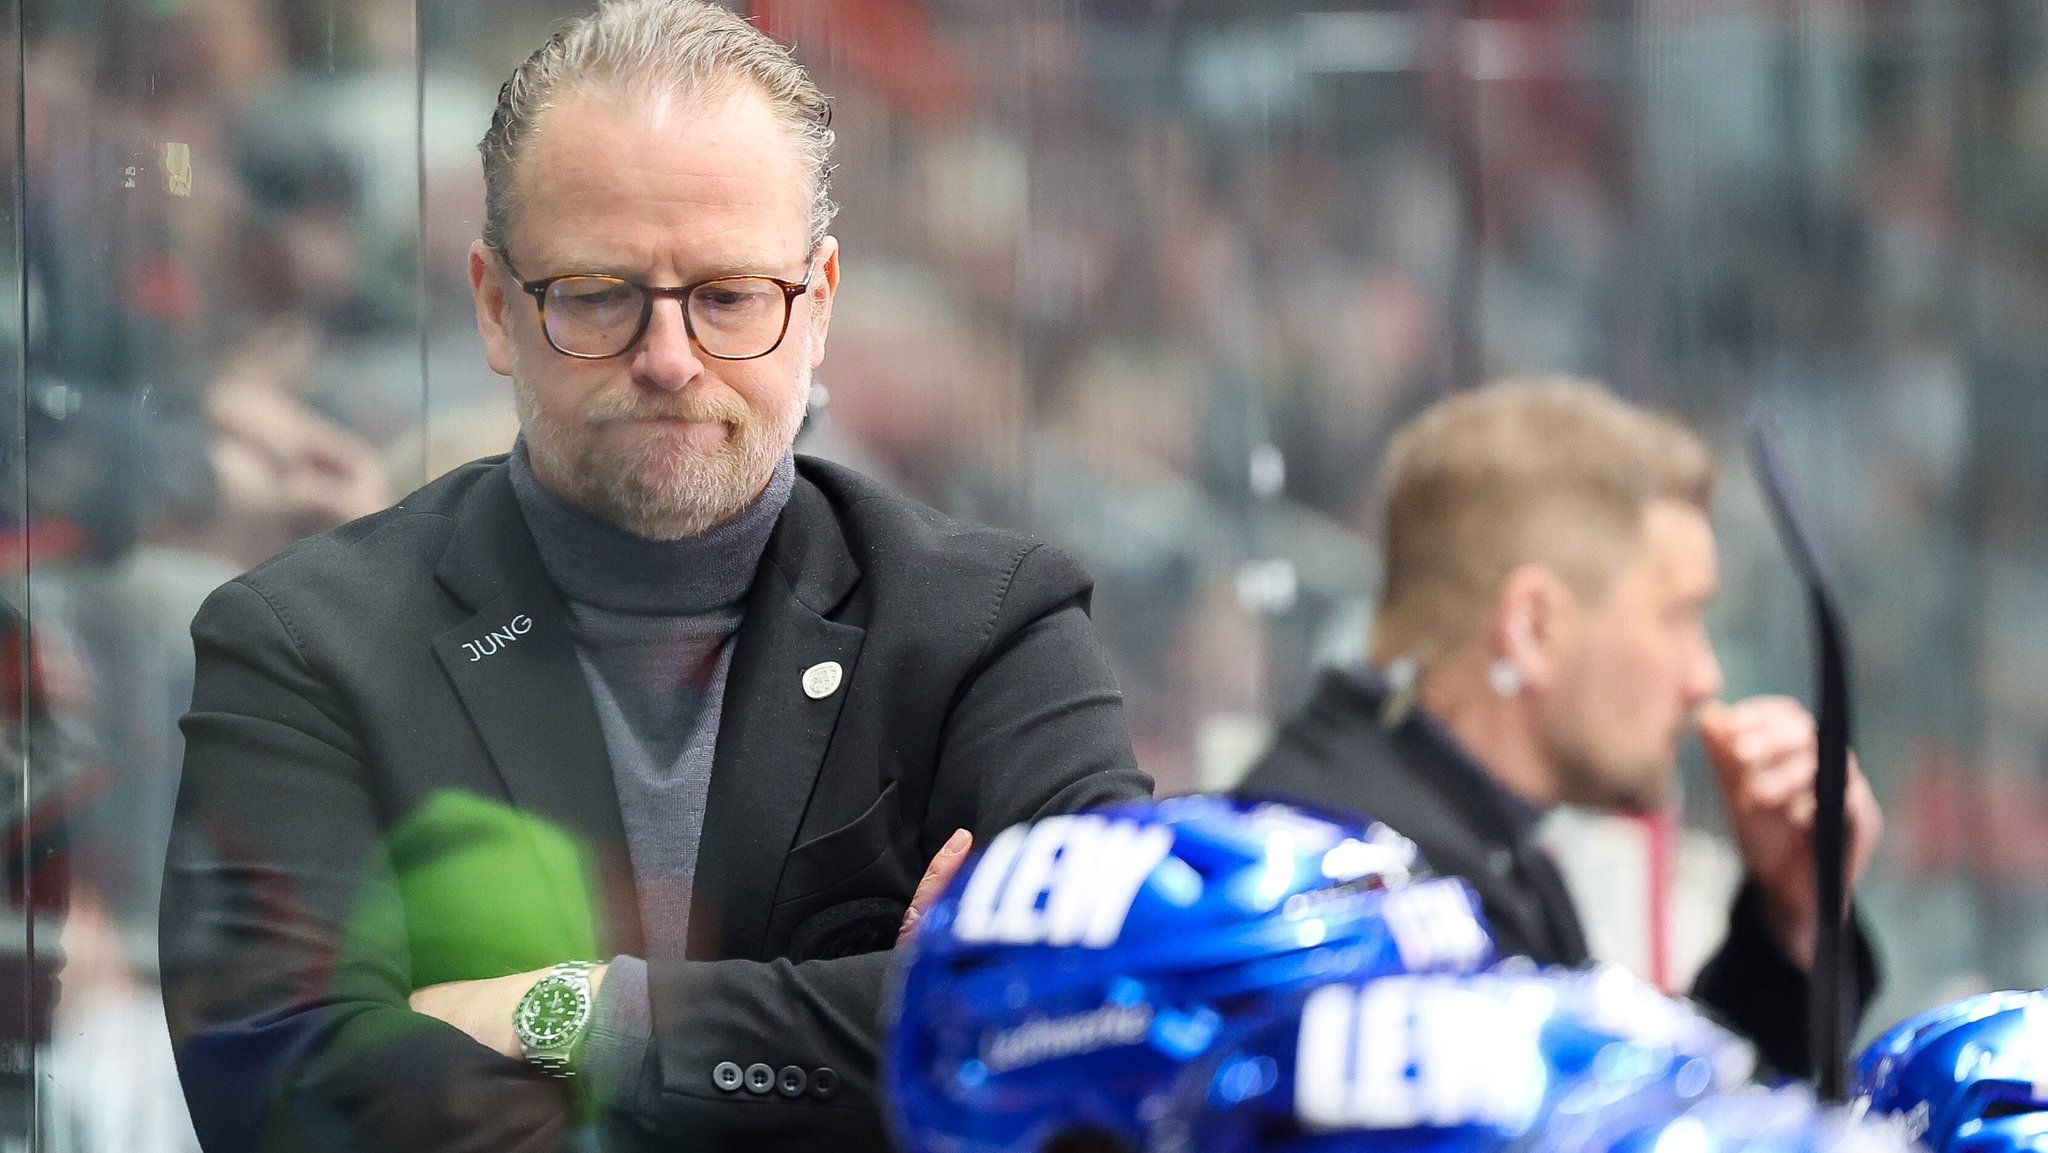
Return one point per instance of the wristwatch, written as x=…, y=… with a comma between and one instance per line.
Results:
x=553, y=1016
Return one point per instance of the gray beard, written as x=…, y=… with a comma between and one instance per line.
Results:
x=665, y=499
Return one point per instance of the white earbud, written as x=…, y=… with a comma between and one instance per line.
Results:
x=1504, y=678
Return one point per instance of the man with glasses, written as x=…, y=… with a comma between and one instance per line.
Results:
x=582, y=794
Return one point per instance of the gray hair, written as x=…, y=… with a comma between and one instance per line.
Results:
x=647, y=47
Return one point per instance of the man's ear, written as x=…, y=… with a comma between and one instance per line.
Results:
x=487, y=288
x=1535, y=622
x=823, y=289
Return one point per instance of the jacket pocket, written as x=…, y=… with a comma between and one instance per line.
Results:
x=828, y=859
x=847, y=929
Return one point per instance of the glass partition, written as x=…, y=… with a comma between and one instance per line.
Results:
x=1156, y=281
x=219, y=271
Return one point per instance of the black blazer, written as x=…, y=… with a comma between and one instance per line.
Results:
x=1420, y=781
x=395, y=776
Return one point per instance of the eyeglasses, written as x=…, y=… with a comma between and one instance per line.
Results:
x=594, y=317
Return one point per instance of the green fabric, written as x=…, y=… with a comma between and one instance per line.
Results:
x=488, y=890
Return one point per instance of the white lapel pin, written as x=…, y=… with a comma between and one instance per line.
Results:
x=821, y=680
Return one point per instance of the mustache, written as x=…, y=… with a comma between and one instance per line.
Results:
x=612, y=407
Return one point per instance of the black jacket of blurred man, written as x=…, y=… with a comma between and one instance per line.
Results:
x=1540, y=642
x=645, y=733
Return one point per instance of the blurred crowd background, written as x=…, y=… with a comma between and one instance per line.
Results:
x=1155, y=279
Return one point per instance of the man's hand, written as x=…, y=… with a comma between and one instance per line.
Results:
x=941, y=870
x=483, y=1009
x=1765, y=752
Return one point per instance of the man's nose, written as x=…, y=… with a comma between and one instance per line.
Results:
x=666, y=358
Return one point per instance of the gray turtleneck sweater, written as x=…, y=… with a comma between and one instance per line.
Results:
x=653, y=623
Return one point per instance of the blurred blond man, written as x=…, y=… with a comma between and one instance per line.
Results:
x=1540, y=641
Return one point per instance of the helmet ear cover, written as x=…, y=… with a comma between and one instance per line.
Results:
x=1997, y=1115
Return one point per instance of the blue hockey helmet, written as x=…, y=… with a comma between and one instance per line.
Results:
x=1514, y=1059
x=1970, y=1076
x=1066, y=976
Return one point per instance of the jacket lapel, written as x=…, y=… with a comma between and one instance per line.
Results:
x=513, y=663
x=772, y=735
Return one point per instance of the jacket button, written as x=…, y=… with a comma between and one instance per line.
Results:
x=791, y=1082
x=760, y=1078
x=727, y=1076
x=824, y=1083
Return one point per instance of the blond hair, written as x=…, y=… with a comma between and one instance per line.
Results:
x=645, y=50
x=1553, y=471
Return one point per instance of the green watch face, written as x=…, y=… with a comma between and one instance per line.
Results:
x=551, y=1013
